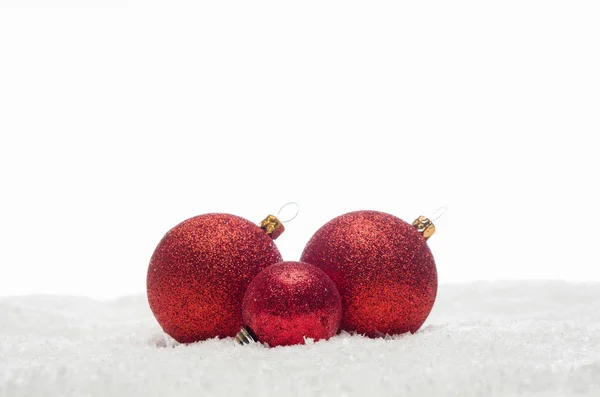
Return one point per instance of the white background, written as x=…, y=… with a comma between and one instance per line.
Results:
x=119, y=122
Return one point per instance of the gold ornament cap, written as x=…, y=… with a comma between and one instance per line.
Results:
x=424, y=226
x=272, y=226
x=245, y=336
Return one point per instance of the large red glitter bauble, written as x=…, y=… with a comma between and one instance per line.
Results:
x=199, y=273
x=289, y=301
x=383, y=269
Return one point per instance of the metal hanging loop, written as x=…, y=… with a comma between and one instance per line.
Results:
x=288, y=205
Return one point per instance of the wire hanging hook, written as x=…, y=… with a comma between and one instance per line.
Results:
x=291, y=203
x=437, y=214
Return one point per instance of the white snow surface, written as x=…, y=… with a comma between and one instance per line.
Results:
x=534, y=338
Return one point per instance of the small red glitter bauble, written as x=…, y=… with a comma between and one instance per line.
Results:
x=383, y=269
x=199, y=273
x=289, y=301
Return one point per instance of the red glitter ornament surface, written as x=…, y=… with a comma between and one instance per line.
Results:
x=383, y=269
x=199, y=272
x=289, y=301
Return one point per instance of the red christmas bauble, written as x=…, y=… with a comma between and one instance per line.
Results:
x=289, y=301
x=199, y=272
x=383, y=269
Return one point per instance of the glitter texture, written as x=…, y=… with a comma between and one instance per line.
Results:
x=289, y=301
x=383, y=269
x=199, y=272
